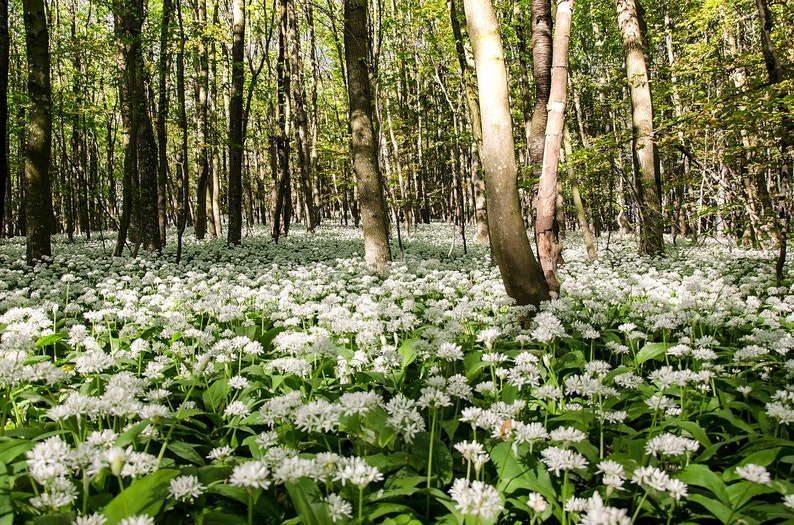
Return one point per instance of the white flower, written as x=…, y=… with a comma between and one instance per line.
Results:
x=238, y=382
x=236, y=409
x=185, y=488
x=670, y=445
x=250, y=475
x=558, y=459
x=788, y=501
x=651, y=477
x=449, y=352
x=220, y=454
x=357, y=472
x=338, y=507
x=137, y=520
x=90, y=519
x=476, y=499
x=677, y=489
x=567, y=435
x=536, y=502
x=474, y=452
x=754, y=473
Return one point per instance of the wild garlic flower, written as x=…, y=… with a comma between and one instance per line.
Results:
x=559, y=459
x=96, y=518
x=596, y=513
x=250, y=475
x=651, y=477
x=537, y=502
x=236, y=409
x=754, y=473
x=476, y=498
x=137, y=520
x=185, y=489
x=404, y=417
x=473, y=452
x=449, y=352
x=670, y=445
x=567, y=435
x=788, y=501
x=339, y=508
x=357, y=472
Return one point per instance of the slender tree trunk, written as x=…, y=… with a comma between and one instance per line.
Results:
x=162, y=116
x=236, y=136
x=5, y=172
x=581, y=214
x=648, y=181
x=466, y=63
x=374, y=214
x=546, y=225
x=182, y=161
x=301, y=120
x=280, y=147
x=202, y=131
x=38, y=192
x=521, y=273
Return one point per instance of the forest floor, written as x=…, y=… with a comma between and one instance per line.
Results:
x=288, y=384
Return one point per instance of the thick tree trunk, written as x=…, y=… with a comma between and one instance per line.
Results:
x=38, y=192
x=466, y=63
x=648, y=180
x=546, y=225
x=374, y=214
x=541, y=73
x=521, y=273
x=236, y=135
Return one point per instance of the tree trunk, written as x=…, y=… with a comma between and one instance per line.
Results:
x=202, y=130
x=280, y=147
x=581, y=214
x=374, y=214
x=648, y=181
x=236, y=135
x=182, y=161
x=301, y=120
x=473, y=105
x=162, y=116
x=38, y=193
x=5, y=172
x=521, y=273
x=541, y=73
x=546, y=226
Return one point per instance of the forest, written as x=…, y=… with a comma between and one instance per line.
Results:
x=396, y=261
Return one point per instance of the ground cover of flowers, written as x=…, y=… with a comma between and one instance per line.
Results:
x=287, y=384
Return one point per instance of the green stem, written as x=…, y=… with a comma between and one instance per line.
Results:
x=250, y=507
x=639, y=507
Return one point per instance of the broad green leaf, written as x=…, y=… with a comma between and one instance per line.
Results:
x=307, y=499
x=6, y=506
x=701, y=476
x=144, y=496
x=651, y=351
x=218, y=517
x=742, y=492
x=186, y=451
x=47, y=340
x=718, y=510
x=11, y=449
x=53, y=519
x=442, y=458
x=215, y=395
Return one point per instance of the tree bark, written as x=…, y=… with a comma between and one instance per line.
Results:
x=648, y=181
x=374, y=214
x=542, y=53
x=581, y=214
x=202, y=130
x=546, y=225
x=5, y=172
x=280, y=146
x=38, y=192
x=182, y=161
x=521, y=273
x=466, y=64
x=162, y=117
x=236, y=135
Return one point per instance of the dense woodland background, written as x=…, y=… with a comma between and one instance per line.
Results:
x=720, y=76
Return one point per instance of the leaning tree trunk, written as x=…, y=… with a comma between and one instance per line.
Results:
x=647, y=161
x=546, y=225
x=521, y=273
x=38, y=192
x=234, y=233
x=374, y=214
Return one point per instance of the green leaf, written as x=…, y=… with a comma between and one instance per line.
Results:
x=11, y=449
x=651, y=351
x=186, y=452
x=144, y=496
x=47, y=340
x=6, y=506
x=215, y=395
x=53, y=519
x=442, y=457
x=701, y=476
x=308, y=502
x=717, y=509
